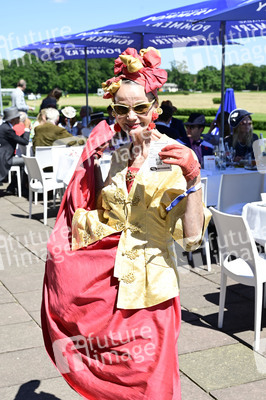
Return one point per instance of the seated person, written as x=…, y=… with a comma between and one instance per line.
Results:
x=213, y=134
x=9, y=141
x=243, y=137
x=175, y=123
x=87, y=131
x=20, y=127
x=110, y=119
x=164, y=120
x=85, y=120
x=69, y=122
x=95, y=119
x=48, y=132
x=195, y=126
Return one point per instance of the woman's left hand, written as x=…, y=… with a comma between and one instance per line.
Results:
x=181, y=155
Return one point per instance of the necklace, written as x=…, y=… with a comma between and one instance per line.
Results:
x=130, y=176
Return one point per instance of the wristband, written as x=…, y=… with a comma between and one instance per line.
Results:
x=99, y=154
x=183, y=195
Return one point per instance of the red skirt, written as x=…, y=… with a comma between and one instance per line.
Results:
x=104, y=352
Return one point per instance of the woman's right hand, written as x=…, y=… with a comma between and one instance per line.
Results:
x=177, y=154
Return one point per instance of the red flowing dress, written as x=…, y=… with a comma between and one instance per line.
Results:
x=103, y=352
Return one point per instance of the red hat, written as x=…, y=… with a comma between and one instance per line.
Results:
x=141, y=68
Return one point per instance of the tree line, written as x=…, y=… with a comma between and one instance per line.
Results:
x=69, y=75
x=239, y=77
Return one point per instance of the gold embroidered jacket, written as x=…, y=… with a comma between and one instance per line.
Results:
x=145, y=263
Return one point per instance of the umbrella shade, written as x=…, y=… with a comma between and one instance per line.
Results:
x=104, y=44
x=229, y=101
x=223, y=19
x=245, y=18
x=69, y=51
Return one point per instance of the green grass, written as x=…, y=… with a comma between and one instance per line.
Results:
x=259, y=116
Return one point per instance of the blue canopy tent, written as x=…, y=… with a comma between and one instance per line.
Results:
x=216, y=21
x=229, y=105
x=229, y=101
x=107, y=43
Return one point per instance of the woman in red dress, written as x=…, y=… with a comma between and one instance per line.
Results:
x=111, y=310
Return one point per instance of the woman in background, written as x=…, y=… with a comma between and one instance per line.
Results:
x=243, y=136
x=51, y=99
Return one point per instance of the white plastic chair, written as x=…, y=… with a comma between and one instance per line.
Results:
x=263, y=197
x=39, y=183
x=259, y=149
x=45, y=156
x=46, y=159
x=15, y=168
x=204, y=183
x=236, y=190
x=246, y=266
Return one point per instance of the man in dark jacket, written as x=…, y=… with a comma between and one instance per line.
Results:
x=164, y=121
x=195, y=126
x=9, y=141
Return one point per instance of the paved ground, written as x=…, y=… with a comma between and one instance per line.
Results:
x=214, y=364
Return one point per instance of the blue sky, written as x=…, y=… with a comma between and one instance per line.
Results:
x=32, y=20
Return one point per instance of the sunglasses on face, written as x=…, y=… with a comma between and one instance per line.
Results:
x=122, y=109
x=191, y=126
x=246, y=123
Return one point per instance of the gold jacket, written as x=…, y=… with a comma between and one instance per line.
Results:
x=146, y=262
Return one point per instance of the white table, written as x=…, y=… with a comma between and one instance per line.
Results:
x=255, y=215
x=65, y=161
x=214, y=178
x=105, y=162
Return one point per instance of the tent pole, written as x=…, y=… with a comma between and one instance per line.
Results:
x=222, y=77
x=87, y=88
x=1, y=103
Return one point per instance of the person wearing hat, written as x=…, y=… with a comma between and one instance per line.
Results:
x=195, y=126
x=9, y=141
x=243, y=136
x=111, y=291
x=164, y=120
x=69, y=122
x=175, y=123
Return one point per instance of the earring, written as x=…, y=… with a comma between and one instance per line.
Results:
x=154, y=116
x=151, y=126
x=117, y=127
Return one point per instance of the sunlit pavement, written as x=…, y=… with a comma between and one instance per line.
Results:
x=214, y=364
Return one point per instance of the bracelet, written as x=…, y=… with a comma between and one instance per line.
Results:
x=183, y=195
x=98, y=154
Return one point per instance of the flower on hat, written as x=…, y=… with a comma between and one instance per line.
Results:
x=141, y=68
x=111, y=86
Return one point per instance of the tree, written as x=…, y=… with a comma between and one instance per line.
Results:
x=179, y=74
x=42, y=77
x=208, y=79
